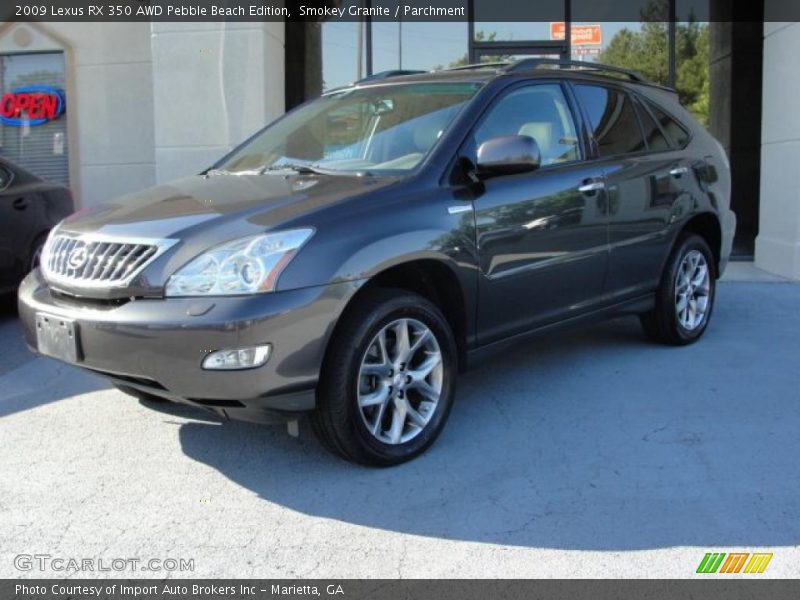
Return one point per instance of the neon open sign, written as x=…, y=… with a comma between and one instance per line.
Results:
x=31, y=105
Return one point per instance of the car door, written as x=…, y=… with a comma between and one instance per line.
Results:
x=541, y=235
x=645, y=183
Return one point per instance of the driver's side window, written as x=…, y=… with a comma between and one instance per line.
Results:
x=539, y=111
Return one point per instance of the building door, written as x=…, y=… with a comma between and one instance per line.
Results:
x=34, y=138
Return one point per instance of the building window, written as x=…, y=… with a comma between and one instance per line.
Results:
x=40, y=148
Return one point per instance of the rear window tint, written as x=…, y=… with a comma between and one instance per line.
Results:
x=676, y=132
x=652, y=132
x=613, y=119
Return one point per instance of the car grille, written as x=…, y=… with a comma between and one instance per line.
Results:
x=86, y=262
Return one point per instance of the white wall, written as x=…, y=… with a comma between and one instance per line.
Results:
x=151, y=102
x=215, y=84
x=778, y=241
x=109, y=101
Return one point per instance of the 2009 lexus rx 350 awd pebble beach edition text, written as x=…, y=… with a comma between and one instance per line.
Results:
x=348, y=260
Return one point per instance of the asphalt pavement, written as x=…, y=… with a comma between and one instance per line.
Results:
x=588, y=453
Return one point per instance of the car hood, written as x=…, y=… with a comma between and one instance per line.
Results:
x=181, y=208
x=197, y=213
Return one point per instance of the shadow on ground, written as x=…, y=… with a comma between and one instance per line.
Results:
x=591, y=440
x=30, y=381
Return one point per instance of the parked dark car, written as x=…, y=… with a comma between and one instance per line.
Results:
x=348, y=260
x=29, y=208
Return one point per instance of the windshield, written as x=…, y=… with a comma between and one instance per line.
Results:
x=388, y=128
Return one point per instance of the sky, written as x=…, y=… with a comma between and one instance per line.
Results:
x=424, y=45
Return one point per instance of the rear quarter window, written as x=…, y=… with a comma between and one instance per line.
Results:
x=674, y=130
x=652, y=132
x=613, y=119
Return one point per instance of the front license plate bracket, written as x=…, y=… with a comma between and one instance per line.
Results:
x=57, y=337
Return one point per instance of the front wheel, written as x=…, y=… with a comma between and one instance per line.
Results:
x=388, y=381
x=685, y=297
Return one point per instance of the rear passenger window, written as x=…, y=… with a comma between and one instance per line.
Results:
x=5, y=178
x=613, y=120
x=675, y=131
x=652, y=132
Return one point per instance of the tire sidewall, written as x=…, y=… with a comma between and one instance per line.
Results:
x=688, y=245
x=399, y=308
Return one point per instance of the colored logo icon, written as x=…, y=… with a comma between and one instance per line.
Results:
x=734, y=562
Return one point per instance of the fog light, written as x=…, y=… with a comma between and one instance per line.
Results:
x=239, y=358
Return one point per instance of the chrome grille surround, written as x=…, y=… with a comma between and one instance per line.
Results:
x=96, y=261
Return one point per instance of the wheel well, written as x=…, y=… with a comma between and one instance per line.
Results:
x=706, y=225
x=433, y=281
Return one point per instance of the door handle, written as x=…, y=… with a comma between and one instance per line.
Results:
x=678, y=171
x=20, y=203
x=592, y=187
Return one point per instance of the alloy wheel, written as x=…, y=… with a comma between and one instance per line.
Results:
x=692, y=290
x=400, y=381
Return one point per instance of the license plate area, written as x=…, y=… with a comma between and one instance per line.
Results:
x=57, y=337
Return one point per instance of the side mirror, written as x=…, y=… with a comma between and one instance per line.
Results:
x=507, y=155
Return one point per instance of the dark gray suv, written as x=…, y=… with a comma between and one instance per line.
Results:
x=348, y=260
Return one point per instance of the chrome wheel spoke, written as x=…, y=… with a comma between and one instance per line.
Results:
x=415, y=417
x=395, y=432
x=425, y=389
x=379, y=396
x=421, y=371
x=379, y=370
x=402, y=341
x=375, y=428
x=419, y=342
x=700, y=275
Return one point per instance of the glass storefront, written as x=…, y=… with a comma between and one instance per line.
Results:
x=669, y=46
x=40, y=148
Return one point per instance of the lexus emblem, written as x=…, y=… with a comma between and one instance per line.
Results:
x=78, y=257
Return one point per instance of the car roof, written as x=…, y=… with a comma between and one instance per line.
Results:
x=524, y=69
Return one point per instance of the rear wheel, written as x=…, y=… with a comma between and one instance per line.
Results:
x=388, y=382
x=685, y=297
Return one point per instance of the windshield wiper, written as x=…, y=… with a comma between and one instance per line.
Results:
x=297, y=168
x=317, y=169
x=216, y=172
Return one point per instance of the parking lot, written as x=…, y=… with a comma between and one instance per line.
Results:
x=589, y=453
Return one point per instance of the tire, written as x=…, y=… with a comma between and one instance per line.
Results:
x=364, y=391
x=668, y=322
x=139, y=395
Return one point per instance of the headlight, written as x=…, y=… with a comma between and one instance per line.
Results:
x=246, y=266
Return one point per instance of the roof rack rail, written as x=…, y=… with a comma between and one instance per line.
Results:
x=486, y=65
x=390, y=73
x=528, y=64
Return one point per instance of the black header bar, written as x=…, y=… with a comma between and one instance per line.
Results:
x=595, y=11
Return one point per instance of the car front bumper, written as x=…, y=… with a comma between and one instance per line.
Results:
x=157, y=345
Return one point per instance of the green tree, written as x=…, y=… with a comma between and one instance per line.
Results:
x=646, y=52
x=480, y=36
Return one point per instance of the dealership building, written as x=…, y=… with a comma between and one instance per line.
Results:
x=135, y=104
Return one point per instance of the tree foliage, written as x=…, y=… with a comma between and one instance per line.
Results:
x=647, y=52
x=480, y=36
